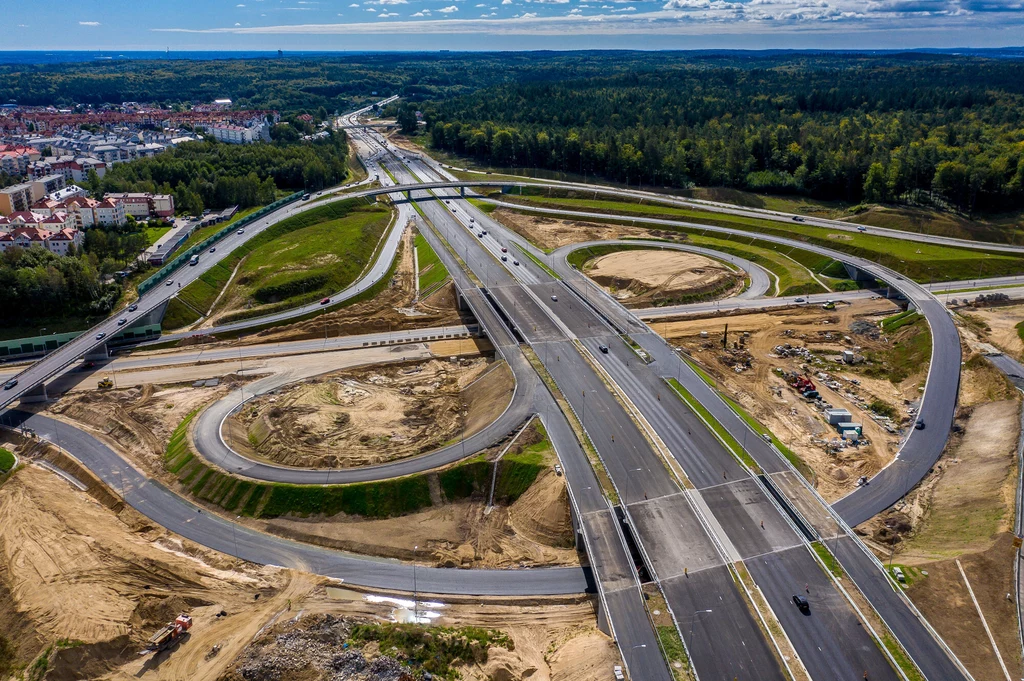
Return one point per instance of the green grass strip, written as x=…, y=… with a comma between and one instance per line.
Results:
x=536, y=261
x=673, y=649
x=6, y=460
x=720, y=432
x=829, y=560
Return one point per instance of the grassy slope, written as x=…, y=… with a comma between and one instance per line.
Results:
x=324, y=249
x=431, y=270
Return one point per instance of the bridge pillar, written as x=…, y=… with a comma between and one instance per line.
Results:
x=857, y=274
x=408, y=195
x=102, y=352
x=462, y=192
x=36, y=394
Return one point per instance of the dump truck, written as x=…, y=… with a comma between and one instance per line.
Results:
x=172, y=633
x=105, y=383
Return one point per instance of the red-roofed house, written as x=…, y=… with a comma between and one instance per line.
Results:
x=58, y=241
x=110, y=212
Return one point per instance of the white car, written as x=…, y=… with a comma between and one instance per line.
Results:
x=241, y=231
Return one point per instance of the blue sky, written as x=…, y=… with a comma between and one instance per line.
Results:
x=512, y=24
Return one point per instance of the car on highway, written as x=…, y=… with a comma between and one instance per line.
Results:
x=241, y=231
x=797, y=218
x=802, y=604
x=447, y=201
x=504, y=258
x=325, y=301
x=169, y=282
x=504, y=250
x=133, y=307
x=603, y=348
x=122, y=321
x=554, y=299
x=10, y=384
x=213, y=250
x=101, y=335
x=305, y=197
x=483, y=231
x=919, y=424
x=516, y=263
x=480, y=235
x=862, y=228
x=801, y=300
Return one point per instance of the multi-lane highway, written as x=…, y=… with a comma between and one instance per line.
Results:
x=691, y=525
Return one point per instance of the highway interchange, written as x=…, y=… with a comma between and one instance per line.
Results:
x=693, y=510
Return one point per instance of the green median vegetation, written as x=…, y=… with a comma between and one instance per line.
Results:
x=432, y=272
x=896, y=321
x=720, y=432
x=909, y=351
x=517, y=470
x=296, y=261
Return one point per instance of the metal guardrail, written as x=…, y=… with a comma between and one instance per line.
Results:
x=167, y=269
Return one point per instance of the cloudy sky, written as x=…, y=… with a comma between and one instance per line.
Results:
x=512, y=24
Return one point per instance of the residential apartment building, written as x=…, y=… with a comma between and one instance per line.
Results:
x=145, y=206
x=50, y=234
x=47, y=185
x=16, y=198
x=15, y=158
x=234, y=134
x=109, y=212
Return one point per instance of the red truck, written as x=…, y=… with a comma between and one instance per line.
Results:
x=172, y=633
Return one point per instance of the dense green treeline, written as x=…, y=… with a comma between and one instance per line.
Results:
x=215, y=175
x=948, y=131
x=38, y=284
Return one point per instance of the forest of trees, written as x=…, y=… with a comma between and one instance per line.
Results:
x=46, y=285
x=215, y=175
x=916, y=129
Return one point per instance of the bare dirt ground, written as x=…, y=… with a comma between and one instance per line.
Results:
x=553, y=233
x=369, y=415
x=535, y=530
x=72, y=569
x=1002, y=327
x=76, y=571
x=547, y=642
x=650, y=277
x=964, y=510
x=764, y=393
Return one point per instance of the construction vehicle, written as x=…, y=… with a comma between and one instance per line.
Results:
x=105, y=383
x=172, y=633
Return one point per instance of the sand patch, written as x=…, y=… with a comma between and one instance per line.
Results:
x=662, y=277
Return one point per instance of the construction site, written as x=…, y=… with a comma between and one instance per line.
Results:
x=803, y=371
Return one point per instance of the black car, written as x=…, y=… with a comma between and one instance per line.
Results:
x=919, y=425
x=802, y=604
x=133, y=308
x=603, y=348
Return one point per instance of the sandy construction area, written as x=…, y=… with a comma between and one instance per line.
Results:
x=372, y=415
x=651, y=277
x=553, y=233
x=761, y=391
x=1002, y=327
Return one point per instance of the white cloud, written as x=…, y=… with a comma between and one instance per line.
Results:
x=237, y=24
x=449, y=9
x=551, y=2
x=239, y=5
x=506, y=2
x=88, y=23
x=354, y=4
x=385, y=15
x=625, y=9
x=479, y=5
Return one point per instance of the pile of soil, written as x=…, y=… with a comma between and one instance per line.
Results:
x=360, y=417
x=642, y=278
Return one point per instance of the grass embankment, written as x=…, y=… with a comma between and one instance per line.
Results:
x=204, y=233
x=432, y=270
x=720, y=432
x=925, y=262
x=296, y=261
x=897, y=321
x=6, y=460
x=1020, y=331
x=383, y=499
x=829, y=560
x=434, y=650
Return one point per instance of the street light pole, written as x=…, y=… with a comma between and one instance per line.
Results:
x=415, y=604
x=693, y=619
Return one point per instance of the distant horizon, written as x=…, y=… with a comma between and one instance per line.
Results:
x=27, y=57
